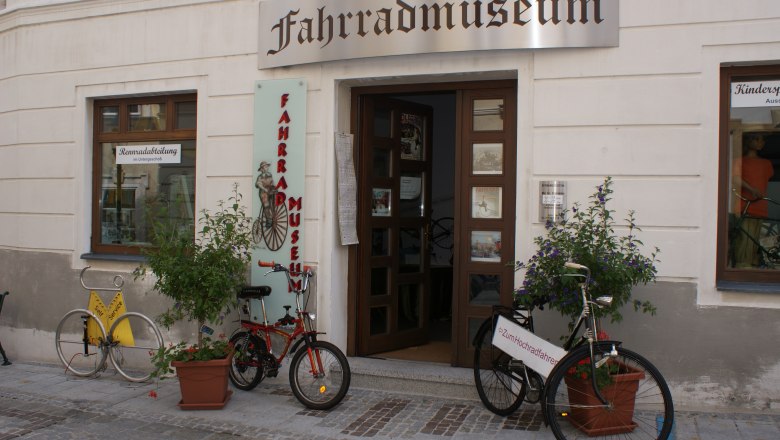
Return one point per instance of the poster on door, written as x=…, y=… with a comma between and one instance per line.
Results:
x=278, y=169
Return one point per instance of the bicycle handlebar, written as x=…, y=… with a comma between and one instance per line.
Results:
x=276, y=267
x=757, y=199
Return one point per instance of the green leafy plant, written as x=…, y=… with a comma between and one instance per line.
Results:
x=200, y=274
x=587, y=236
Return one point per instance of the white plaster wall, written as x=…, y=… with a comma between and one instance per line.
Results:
x=645, y=112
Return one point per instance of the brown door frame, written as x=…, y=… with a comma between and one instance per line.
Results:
x=355, y=111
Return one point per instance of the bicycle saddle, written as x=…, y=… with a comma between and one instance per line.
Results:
x=254, y=292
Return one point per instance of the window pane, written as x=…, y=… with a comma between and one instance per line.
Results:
x=382, y=163
x=410, y=247
x=378, y=323
x=412, y=202
x=412, y=136
x=379, y=281
x=484, y=290
x=486, y=246
x=146, y=117
x=127, y=190
x=185, y=115
x=380, y=242
x=488, y=114
x=109, y=119
x=409, y=305
x=486, y=202
x=754, y=205
x=382, y=125
x=487, y=158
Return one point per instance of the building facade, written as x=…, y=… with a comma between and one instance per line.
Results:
x=452, y=140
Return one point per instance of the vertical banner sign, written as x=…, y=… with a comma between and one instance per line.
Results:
x=279, y=171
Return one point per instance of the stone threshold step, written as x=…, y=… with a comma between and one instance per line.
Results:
x=424, y=378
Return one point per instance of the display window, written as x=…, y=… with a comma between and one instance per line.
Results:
x=749, y=212
x=143, y=163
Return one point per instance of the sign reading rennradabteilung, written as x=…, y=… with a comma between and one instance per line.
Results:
x=145, y=154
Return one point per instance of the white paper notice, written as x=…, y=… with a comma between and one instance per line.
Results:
x=347, y=183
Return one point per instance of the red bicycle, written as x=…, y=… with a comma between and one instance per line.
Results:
x=319, y=371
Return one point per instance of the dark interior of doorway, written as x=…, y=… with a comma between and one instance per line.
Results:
x=439, y=348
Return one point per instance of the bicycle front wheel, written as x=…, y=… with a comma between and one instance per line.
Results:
x=246, y=368
x=499, y=383
x=319, y=375
x=639, y=404
x=134, y=339
x=80, y=341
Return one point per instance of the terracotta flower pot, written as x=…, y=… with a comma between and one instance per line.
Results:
x=586, y=413
x=204, y=384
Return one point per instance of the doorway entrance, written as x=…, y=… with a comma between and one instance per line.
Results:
x=436, y=212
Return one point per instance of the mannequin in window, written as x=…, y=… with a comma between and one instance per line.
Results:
x=751, y=179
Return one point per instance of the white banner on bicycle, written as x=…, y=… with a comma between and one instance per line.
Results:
x=538, y=354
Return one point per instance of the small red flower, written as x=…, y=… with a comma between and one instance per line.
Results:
x=584, y=375
x=153, y=394
x=603, y=336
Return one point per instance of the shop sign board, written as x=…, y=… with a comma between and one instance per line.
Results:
x=309, y=31
x=278, y=169
x=755, y=94
x=148, y=154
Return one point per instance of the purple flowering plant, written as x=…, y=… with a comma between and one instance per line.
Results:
x=587, y=235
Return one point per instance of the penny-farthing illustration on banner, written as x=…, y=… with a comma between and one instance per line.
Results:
x=279, y=171
x=270, y=226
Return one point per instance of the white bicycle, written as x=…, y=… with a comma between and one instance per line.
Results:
x=83, y=344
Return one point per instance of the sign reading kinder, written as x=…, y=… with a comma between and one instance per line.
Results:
x=755, y=94
x=307, y=31
x=538, y=354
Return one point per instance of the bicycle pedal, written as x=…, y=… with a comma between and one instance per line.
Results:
x=272, y=372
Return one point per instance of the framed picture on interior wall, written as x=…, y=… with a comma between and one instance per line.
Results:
x=380, y=206
x=486, y=202
x=486, y=246
x=487, y=158
x=412, y=136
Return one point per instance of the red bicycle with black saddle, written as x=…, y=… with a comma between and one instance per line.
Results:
x=319, y=371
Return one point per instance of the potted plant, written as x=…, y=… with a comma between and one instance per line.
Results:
x=201, y=274
x=618, y=383
x=587, y=236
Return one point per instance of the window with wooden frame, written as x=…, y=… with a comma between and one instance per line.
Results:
x=144, y=152
x=749, y=181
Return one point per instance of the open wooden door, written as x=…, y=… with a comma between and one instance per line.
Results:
x=393, y=255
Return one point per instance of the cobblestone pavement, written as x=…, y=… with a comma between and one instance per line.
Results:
x=41, y=402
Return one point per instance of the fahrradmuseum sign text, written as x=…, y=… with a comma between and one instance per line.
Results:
x=309, y=31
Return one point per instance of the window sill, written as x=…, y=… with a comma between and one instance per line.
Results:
x=113, y=257
x=741, y=286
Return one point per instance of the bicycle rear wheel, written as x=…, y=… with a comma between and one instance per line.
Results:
x=319, y=375
x=246, y=368
x=134, y=340
x=80, y=339
x=639, y=404
x=500, y=384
